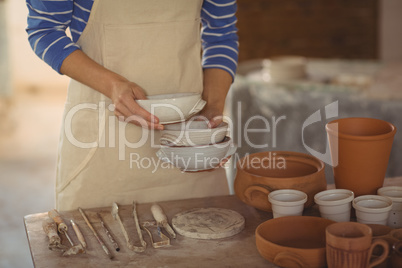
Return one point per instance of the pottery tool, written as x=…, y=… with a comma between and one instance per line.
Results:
x=109, y=235
x=62, y=228
x=208, y=223
x=105, y=249
x=161, y=219
x=80, y=236
x=115, y=214
x=137, y=225
x=165, y=241
x=50, y=228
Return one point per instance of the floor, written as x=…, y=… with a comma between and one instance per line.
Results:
x=29, y=130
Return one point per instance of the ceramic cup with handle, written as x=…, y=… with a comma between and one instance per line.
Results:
x=350, y=245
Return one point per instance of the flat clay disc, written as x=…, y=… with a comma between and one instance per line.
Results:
x=208, y=223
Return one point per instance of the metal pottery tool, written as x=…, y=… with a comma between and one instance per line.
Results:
x=165, y=241
x=130, y=245
x=109, y=235
x=105, y=249
x=62, y=228
x=50, y=228
x=137, y=225
x=161, y=219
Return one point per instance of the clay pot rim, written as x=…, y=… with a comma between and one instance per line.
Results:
x=364, y=227
x=361, y=138
x=303, y=197
x=376, y=226
x=342, y=201
x=382, y=192
x=372, y=210
x=300, y=157
x=293, y=219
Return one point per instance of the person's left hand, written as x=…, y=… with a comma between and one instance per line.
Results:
x=215, y=117
x=212, y=114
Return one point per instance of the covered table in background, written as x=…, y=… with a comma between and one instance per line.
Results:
x=269, y=116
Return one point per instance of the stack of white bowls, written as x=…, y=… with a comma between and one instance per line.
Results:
x=189, y=145
x=193, y=146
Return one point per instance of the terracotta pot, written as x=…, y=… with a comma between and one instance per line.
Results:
x=360, y=149
x=261, y=173
x=293, y=241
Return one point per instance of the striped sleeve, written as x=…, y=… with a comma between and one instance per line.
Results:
x=219, y=35
x=47, y=24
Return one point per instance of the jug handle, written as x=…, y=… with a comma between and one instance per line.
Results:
x=384, y=255
x=252, y=188
x=289, y=256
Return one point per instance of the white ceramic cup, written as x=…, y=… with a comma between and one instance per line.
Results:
x=372, y=209
x=287, y=202
x=335, y=204
x=395, y=194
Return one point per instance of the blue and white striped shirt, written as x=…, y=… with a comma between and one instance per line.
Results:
x=49, y=19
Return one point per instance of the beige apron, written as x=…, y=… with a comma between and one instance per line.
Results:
x=156, y=44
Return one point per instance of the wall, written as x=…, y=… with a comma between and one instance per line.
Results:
x=390, y=30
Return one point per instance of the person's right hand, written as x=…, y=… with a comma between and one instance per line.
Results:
x=124, y=94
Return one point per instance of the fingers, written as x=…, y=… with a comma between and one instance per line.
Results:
x=138, y=121
x=136, y=109
x=139, y=93
x=128, y=110
x=215, y=121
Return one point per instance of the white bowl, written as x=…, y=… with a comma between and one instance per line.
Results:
x=191, y=133
x=372, y=209
x=287, y=68
x=197, y=158
x=172, y=108
x=395, y=194
x=287, y=202
x=335, y=204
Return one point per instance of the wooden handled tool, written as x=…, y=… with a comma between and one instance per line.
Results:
x=161, y=219
x=50, y=228
x=80, y=236
x=61, y=225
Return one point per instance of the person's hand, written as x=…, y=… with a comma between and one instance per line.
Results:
x=124, y=94
x=213, y=115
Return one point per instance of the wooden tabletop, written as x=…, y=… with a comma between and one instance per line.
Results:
x=236, y=251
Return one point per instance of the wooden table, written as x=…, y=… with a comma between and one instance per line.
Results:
x=236, y=251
